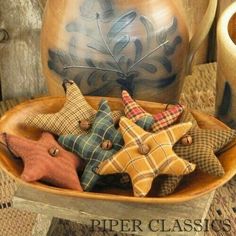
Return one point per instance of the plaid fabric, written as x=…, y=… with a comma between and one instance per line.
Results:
x=166, y=118
x=59, y=171
x=200, y=152
x=147, y=121
x=168, y=185
x=142, y=169
x=88, y=147
x=66, y=120
x=132, y=110
x=116, y=115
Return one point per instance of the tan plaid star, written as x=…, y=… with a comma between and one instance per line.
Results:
x=66, y=121
x=143, y=168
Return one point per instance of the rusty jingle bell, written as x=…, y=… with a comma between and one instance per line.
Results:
x=106, y=145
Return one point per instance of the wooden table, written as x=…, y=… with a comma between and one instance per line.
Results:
x=85, y=211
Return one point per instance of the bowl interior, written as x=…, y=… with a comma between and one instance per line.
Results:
x=193, y=186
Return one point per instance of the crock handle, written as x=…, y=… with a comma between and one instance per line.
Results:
x=201, y=33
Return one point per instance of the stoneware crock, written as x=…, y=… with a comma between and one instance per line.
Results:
x=109, y=45
x=226, y=69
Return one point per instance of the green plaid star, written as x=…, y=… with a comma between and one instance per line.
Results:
x=88, y=146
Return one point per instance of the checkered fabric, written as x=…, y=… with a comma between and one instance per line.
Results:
x=201, y=152
x=88, y=146
x=132, y=110
x=166, y=118
x=66, y=121
x=59, y=170
x=147, y=121
x=160, y=159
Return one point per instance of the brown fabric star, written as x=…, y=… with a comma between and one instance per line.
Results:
x=205, y=143
x=45, y=160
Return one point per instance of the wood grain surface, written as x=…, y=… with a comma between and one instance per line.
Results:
x=85, y=210
x=20, y=66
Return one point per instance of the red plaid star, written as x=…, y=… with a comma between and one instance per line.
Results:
x=157, y=122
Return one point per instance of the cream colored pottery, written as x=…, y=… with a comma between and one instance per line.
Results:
x=226, y=69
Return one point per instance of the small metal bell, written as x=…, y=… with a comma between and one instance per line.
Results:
x=106, y=145
x=85, y=125
x=144, y=149
x=187, y=140
x=54, y=152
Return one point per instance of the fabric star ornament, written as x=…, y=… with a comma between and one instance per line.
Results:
x=146, y=155
x=67, y=120
x=45, y=160
x=99, y=144
x=146, y=120
x=205, y=143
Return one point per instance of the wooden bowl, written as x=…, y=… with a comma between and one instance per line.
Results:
x=197, y=184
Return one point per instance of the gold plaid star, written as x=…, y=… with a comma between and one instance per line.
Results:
x=147, y=155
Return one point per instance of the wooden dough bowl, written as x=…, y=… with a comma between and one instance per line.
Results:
x=194, y=186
